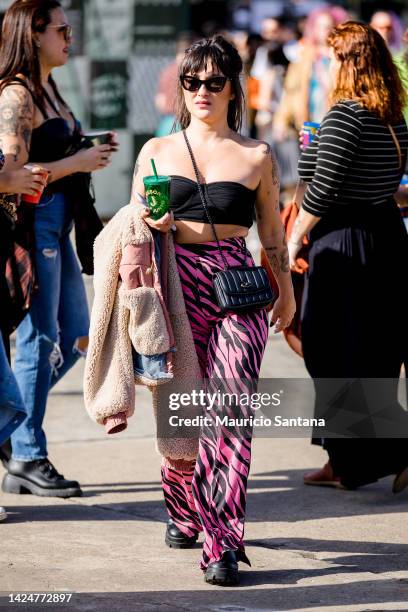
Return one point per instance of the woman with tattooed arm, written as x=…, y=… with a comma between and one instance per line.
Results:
x=36, y=125
x=238, y=176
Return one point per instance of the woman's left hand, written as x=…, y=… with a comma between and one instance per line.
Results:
x=114, y=143
x=283, y=311
x=164, y=224
x=293, y=250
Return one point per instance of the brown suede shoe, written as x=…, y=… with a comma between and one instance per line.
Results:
x=323, y=478
x=400, y=481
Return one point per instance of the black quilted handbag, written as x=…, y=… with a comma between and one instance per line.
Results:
x=242, y=288
x=237, y=288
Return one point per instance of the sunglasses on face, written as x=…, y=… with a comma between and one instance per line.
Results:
x=214, y=84
x=64, y=29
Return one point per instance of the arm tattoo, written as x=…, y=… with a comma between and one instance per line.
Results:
x=275, y=170
x=297, y=223
x=26, y=134
x=279, y=261
x=16, y=115
x=284, y=261
x=284, y=255
x=296, y=235
x=15, y=150
x=273, y=259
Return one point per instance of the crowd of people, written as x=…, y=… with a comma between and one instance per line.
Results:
x=286, y=78
x=154, y=287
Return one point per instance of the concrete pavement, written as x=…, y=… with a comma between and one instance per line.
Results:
x=311, y=549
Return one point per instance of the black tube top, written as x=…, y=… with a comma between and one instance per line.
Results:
x=53, y=140
x=228, y=202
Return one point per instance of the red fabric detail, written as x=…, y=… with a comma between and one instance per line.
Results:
x=115, y=423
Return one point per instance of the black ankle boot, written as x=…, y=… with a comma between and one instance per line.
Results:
x=225, y=571
x=5, y=453
x=39, y=478
x=177, y=539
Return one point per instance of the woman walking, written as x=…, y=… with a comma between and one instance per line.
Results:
x=36, y=125
x=12, y=410
x=238, y=176
x=356, y=283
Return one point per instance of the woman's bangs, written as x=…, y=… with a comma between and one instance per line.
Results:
x=200, y=59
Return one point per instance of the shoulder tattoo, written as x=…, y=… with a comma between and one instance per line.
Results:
x=275, y=170
x=16, y=115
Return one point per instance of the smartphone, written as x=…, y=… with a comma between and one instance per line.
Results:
x=141, y=200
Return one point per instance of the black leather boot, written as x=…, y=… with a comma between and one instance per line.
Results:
x=400, y=481
x=177, y=539
x=39, y=478
x=5, y=453
x=225, y=571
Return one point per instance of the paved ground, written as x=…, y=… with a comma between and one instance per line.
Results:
x=311, y=549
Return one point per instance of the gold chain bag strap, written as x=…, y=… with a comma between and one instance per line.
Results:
x=397, y=144
x=237, y=288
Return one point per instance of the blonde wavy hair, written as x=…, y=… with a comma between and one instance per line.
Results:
x=367, y=72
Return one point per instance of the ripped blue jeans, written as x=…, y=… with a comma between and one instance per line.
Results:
x=46, y=343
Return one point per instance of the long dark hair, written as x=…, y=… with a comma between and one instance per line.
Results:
x=224, y=57
x=18, y=52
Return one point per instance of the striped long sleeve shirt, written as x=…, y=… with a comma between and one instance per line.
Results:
x=353, y=160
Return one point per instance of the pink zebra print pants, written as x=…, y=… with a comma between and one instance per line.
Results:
x=211, y=497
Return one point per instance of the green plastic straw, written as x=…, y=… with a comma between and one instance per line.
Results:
x=154, y=168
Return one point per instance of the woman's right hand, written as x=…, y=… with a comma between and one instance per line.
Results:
x=164, y=224
x=301, y=140
x=24, y=180
x=93, y=158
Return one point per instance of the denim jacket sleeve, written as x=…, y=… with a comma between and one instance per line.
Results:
x=147, y=322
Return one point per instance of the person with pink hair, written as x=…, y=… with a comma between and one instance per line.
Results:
x=389, y=25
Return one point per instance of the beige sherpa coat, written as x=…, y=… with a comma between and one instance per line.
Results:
x=121, y=317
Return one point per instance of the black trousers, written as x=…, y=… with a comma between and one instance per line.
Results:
x=354, y=315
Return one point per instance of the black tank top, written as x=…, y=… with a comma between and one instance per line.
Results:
x=228, y=202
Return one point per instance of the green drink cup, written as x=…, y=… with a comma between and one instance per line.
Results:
x=157, y=191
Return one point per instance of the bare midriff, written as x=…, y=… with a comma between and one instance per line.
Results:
x=190, y=232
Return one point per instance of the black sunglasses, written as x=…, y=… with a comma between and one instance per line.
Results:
x=214, y=84
x=65, y=29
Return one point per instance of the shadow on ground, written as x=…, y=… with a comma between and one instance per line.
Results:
x=237, y=599
x=268, y=494
x=375, y=557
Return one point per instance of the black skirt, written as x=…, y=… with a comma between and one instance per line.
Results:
x=354, y=315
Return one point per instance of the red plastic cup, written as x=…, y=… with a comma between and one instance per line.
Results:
x=34, y=199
